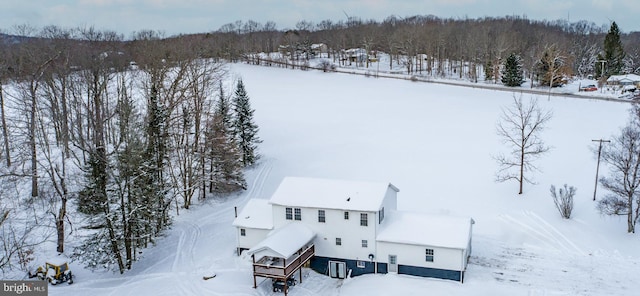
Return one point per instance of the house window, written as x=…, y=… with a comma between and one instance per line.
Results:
x=361, y=264
x=298, y=214
x=338, y=241
x=365, y=243
x=321, y=217
x=364, y=219
x=243, y=232
x=380, y=215
x=429, y=255
x=289, y=214
x=346, y=215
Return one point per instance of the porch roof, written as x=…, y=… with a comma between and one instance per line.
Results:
x=284, y=242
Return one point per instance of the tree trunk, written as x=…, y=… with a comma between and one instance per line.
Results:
x=32, y=141
x=5, y=133
x=60, y=224
x=522, y=150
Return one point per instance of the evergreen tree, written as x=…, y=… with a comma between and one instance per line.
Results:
x=512, y=75
x=155, y=158
x=613, y=58
x=488, y=70
x=245, y=130
x=223, y=110
x=226, y=161
x=550, y=66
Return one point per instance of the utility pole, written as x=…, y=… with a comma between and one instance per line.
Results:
x=598, y=166
x=602, y=76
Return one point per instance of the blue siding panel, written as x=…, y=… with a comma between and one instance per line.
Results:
x=321, y=265
x=382, y=267
x=430, y=272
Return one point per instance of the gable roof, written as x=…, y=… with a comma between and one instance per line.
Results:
x=284, y=242
x=626, y=77
x=331, y=194
x=255, y=214
x=426, y=230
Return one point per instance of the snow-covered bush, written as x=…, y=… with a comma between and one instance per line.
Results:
x=563, y=200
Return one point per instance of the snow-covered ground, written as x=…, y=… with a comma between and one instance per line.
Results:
x=435, y=143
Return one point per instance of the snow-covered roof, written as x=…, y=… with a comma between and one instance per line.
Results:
x=255, y=214
x=425, y=230
x=284, y=241
x=626, y=77
x=331, y=194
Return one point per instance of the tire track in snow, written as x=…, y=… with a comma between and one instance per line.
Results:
x=554, y=232
x=539, y=229
x=186, y=246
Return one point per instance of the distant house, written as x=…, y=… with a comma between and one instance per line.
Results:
x=319, y=49
x=356, y=55
x=624, y=80
x=349, y=228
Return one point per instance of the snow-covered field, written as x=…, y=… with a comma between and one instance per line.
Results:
x=435, y=143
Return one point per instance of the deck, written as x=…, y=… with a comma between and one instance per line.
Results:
x=281, y=268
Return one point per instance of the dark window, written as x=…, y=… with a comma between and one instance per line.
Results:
x=364, y=219
x=365, y=243
x=243, y=232
x=380, y=215
x=289, y=214
x=297, y=214
x=338, y=241
x=429, y=255
x=346, y=215
x=321, y=217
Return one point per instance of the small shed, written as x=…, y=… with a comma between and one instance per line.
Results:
x=283, y=253
x=425, y=245
x=253, y=224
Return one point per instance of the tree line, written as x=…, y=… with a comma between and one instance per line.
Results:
x=124, y=142
x=435, y=46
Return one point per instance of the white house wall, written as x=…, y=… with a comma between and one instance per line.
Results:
x=390, y=201
x=252, y=237
x=444, y=258
x=335, y=226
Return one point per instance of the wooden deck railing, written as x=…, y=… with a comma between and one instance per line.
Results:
x=285, y=268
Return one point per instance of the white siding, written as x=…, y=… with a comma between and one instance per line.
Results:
x=252, y=237
x=390, y=200
x=350, y=231
x=444, y=258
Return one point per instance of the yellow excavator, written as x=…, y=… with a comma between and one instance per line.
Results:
x=54, y=273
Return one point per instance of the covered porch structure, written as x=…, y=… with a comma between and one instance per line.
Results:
x=283, y=253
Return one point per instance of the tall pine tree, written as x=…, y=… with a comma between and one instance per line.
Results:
x=225, y=157
x=512, y=75
x=612, y=60
x=245, y=130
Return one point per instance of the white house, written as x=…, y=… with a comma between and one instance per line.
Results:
x=356, y=230
x=627, y=79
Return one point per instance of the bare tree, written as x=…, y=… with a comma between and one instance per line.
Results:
x=623, y=181
x=519, y=127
